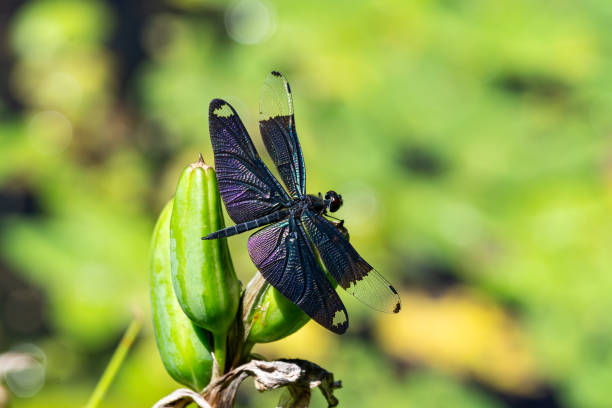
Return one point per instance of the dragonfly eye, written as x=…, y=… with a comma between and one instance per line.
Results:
x=335, y=200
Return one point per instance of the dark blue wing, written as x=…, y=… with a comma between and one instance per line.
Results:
x=349, y=269
x=284, y=257
x=277, y=127
x=246, y=185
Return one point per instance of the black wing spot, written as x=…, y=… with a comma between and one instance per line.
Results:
x=288, y=87
x=398, y=306
x=393, y=289
x=276, y=73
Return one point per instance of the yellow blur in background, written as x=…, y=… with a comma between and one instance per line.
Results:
x=470, y=141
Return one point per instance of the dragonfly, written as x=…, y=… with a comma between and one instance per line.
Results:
x=295, y=224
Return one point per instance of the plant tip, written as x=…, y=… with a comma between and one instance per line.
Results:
x=200, y=163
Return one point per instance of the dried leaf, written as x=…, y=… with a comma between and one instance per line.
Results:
x=181, y=398
x=299, y=376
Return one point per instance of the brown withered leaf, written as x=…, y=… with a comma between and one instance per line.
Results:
x=299, y=376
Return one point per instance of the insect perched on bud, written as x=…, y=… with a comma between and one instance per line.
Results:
x=292, y=225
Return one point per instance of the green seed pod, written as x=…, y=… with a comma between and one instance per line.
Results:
x=273, y=316
x=202, y=271
x=184, y=347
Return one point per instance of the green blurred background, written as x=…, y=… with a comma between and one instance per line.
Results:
x=469, y=139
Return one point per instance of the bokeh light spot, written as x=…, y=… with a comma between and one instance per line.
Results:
x=250, y=21
x=28, y=380
x=49, y=132
x=62, y=90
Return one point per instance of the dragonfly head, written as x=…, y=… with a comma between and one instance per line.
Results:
x=333, y=200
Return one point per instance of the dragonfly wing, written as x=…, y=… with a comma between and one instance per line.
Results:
x=246, y=185
x=348, y=268
x=284, y=257
x=277, y=127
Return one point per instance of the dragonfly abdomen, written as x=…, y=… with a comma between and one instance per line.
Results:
x=249, y=225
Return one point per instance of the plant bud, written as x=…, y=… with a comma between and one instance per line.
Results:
x=271, y=316
x=202, y=271
x=184, y=347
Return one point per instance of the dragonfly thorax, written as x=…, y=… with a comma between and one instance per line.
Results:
x=314, y=203
x=320, y=205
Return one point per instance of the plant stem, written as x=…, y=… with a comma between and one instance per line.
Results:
x=246, y=351
x=219, y=349
x=115, y=363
